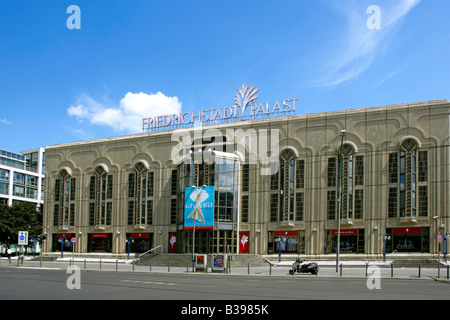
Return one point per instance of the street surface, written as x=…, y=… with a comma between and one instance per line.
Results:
x=30, y=281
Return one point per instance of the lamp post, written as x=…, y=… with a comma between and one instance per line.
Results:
x=386, y=237
x=338, y=247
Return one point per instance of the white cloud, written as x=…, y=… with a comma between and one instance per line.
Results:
x=360, y=46
x=5, y=121
x=127, y=116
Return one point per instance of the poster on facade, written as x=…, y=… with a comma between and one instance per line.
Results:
x=199, y=208
x=172, y=242
x=219, y=261
x=244, y=242
x=200, y=261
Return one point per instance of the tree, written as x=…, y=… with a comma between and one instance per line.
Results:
x=19, y=217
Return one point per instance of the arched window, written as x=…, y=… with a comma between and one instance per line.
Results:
x=100, y=196
x=287, y=189
x=140, y=196
x=65, y=192
x=346, y=177
x=408, y=176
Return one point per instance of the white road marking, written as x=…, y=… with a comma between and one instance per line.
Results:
x=150, y=282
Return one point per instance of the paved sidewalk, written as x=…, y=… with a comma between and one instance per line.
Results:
x=350, y=269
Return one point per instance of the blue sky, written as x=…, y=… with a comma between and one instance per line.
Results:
x=155, y=57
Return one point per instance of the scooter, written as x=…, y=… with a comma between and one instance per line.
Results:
x=301, y=267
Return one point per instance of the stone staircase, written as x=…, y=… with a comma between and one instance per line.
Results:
x=414, y=263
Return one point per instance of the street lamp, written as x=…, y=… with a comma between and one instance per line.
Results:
x=386, y=237
x=338, y=247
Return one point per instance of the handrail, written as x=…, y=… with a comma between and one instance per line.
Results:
x=396, y=254
x=149, y=251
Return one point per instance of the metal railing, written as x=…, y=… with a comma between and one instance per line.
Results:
x=392, y=255
x=141, y=256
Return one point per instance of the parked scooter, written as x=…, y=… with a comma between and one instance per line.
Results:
x=301, y=267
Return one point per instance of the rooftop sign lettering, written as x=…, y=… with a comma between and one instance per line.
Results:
x=244, y=108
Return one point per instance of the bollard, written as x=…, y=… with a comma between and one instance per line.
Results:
x=340, y=269
x=117, y=265
x=248, y=268
x=168, y=266
x=367, y=266
x=150, y=265
x=100, y=264
x=420, y=270
x=270, y=269
x=84, y=264
x=133, y=265
x=187, y=267
x=447, y=273
x=392, y=270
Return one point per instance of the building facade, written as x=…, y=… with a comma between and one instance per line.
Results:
x=279, y=184
x=22, y=177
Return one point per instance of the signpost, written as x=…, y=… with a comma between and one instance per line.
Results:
x=22, y=240
x=439, y=238
x=73, y=240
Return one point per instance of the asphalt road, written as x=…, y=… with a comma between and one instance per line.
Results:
x=18, y=283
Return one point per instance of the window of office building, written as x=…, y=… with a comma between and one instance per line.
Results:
x=408, y=181
x=4, y=181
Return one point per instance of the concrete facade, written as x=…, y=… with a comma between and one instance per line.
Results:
x=391, y=170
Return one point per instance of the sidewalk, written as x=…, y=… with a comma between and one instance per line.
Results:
x=350, y=269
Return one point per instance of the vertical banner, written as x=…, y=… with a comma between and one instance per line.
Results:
x=199, y=208
x=244, y=238
x=172, y=242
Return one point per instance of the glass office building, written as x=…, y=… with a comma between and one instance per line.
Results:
x=22, y=177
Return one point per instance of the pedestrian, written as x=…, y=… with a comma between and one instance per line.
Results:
x=9, y=254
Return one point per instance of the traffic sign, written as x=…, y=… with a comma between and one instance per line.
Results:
x=23, y=238
x=440, y=238
x=73, y=240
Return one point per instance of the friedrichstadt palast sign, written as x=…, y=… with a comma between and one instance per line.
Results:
x=244, y=108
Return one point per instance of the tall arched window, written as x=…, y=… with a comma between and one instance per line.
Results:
x=346, y=176
x=64, y=209
x=287, y=176
x=100, y=196
x=287, y=189
x=408, y=177
x=140, y=196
